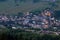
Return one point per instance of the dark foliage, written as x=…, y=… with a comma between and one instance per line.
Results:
x=57, y=14
x=2, y=0
x=36, y=1
x=20, y=35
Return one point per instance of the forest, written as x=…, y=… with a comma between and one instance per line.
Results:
x=11, y=34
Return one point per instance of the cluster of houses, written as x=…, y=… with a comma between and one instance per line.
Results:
x=45, y=19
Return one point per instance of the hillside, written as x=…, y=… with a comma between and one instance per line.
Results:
x=10, y=6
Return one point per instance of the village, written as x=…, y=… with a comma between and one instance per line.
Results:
x=44, y=20
x=29, y=19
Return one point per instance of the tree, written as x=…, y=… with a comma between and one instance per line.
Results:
x=36, y=1
x=3, y=0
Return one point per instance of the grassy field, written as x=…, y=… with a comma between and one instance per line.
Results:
x=9, y=7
